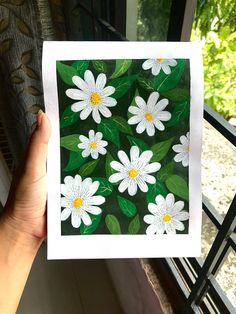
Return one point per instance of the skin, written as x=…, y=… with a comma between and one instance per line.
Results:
x=23, y=222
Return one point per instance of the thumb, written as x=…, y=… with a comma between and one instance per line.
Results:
x=36, y=156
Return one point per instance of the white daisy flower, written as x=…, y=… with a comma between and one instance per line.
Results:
x=166, y=215
x=93, y=97
x=159, y=64
x=79, y=200
x=182, y=150
x=149, y=115
x=134, y=172
x=92, y=145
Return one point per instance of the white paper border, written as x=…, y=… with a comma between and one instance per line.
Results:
x=128, y=246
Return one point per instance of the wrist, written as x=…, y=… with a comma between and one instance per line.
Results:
x=16, y=235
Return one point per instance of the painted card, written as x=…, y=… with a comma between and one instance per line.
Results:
x=124, y=157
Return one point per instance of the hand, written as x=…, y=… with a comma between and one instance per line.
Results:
x=25, y=210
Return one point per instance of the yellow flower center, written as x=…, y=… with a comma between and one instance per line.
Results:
x=93, y=145
x=78, y=202
x=132, y=173
x=159, y=60
x=148, y=116
x=167, y=218
x=95, y=98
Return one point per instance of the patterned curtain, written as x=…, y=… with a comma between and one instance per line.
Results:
x=24, y=24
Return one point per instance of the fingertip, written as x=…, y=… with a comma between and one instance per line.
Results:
x=43, y=126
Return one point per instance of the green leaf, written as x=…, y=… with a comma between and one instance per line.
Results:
x=134, y=225
x=112, y=224
x=108, y=168
x=75, y=161
x=122, y=124
x=177, y=94
x=99, y=66
x=122, y=65
x=105, y=187
x=91, y=228
x=178, y=186
x=164, y=82
x=181, y=111
x=128, y=208
x=146, y=84
x=70, y=142
x=109, y=131
x=166, y=171
x=154, y=190
x=69, y=117
x=81, y=66
x=122, y=85
x=88, y=168
x=66, y=72
x=161, y=149
x=137, y=142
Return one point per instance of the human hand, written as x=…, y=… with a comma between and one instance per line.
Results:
x=25, y=210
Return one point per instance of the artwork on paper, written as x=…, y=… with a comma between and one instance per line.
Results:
x=124, y=146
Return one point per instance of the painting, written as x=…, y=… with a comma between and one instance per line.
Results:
x=126, y=148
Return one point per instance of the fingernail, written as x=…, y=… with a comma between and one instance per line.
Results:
x=39, y=117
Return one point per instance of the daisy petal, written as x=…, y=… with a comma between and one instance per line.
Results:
x=149, y=179
x=170, y=200
x=149, y=219
x=182, y=216
x=96, y=116
x=117, y=166
x=140, y=102
x=153, y=167
x=141, y=127
x=152, y=100
x=85, y=217
x=89, y=79
x=107, y=91
x=124, y=158
x=116, y=177
x=166, y=69
x=159, y=125
x=151, y=230
x=101, y=81
x=105, y=111
x=150, y=129
x=178, y=148
x=170, y=229
x=161, y=105
x=76, y=94
x=134, y=153
x=148, y=64
x=65, y=214
x=123, y=185
x=156, y=69
x=146, y=156
x=134, y=110
x=142, y=185
x=85, y=113
x=178, y=225
x=96, y=200
x=78, y=106
x=134, y=120
x=95, y=210
x=163, y=115
x=75, y=219
x=132, y=188
x=81, y=84
x=109, y=102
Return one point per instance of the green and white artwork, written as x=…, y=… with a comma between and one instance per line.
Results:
x=124, y=138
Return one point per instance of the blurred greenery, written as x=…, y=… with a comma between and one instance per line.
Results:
x=215, y=26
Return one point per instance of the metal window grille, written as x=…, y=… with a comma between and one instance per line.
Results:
x=195, y=278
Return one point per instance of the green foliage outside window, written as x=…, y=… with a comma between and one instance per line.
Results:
x=215, y=25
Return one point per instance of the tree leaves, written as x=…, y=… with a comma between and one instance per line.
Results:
x=99, y=66
x=66, y=72
x=122, y=65
x=112, y=224
x=137, y=142
x=70, y=142
x=23, y=27
x=154, y=190
x=88, y=168
x=164, y=82
x=178, y=186
x=127, y=207
x=5, y=45
x=166, y=171
x=180, y=112
x=75, y=161
x=105, y=187
x=91, y=228
x=81, y=66
x=122, y=85
x=4, y=23
x=26, y=57
x=146, y=84
x=122, y=124
x=69, y=117
x=109, y=131
x=161, y=149
x=134, y=225
x=109, y=170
